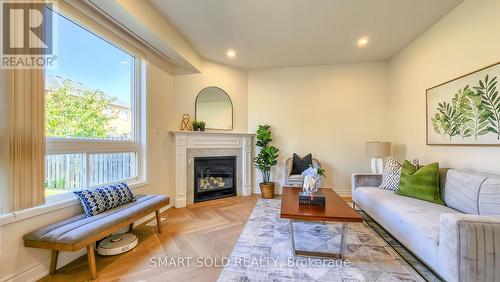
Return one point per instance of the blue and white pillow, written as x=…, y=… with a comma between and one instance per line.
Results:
x=104, y=198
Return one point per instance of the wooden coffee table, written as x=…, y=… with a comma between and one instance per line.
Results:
x=335, y=210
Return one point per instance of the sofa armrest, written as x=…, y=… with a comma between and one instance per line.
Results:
x=469, y=247
x=366, y=180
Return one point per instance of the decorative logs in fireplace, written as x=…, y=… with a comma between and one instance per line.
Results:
x=214, y=178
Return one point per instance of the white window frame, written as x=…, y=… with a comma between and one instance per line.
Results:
x=136, y=144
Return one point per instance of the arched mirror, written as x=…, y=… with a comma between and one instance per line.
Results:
x=214, y=107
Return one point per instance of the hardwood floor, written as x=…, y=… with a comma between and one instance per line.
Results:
x=208, y=229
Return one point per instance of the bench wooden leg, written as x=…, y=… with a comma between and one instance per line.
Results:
x=91, y=257
x=131, y=227
x=158, y=220
x=53, y=261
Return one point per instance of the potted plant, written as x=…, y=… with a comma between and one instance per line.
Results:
x=198, y=125
x=265, y=160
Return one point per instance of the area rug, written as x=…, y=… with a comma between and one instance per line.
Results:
x=263, y=252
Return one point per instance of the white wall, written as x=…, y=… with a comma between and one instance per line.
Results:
x=329, y=111
x=232, y=80
x=465, y=40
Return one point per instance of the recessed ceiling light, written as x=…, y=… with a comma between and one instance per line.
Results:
x=363, y=41
x=231, y=53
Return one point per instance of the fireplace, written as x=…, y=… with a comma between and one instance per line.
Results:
x=214, y=178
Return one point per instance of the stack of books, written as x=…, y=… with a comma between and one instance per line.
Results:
x=315, y=199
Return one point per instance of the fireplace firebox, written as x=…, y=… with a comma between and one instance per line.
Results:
x=214, y=178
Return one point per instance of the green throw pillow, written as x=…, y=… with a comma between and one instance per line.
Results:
x=420, y=183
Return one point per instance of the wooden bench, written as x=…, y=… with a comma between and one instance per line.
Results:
x=80, y=232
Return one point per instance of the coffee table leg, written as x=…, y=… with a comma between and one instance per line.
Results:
x=292, y=237
x=339, y=255
x=343, y=241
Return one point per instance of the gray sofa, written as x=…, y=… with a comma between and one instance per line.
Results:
x=459, y=241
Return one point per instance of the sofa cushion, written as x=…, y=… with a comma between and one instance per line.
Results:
x=295, y=180
x=462, y=191
x=442, y=181
x=413, y=222
x=489, y=197
x=81, y=227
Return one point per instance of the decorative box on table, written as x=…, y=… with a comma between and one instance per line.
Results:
x=315, y=199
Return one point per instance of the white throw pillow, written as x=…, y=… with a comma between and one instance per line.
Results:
x=392, y=174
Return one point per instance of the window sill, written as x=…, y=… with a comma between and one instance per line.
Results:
x=50, y=206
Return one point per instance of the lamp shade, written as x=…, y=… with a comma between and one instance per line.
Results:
x=378, y=149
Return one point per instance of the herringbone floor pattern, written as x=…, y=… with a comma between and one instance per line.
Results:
x=207, y=229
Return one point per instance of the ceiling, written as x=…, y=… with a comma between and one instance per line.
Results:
x=284, y=33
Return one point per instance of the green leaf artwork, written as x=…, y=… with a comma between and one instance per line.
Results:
x=491, y=100
x=449, y=119
x=463, y=109
x=479, y=115
x=466, y=110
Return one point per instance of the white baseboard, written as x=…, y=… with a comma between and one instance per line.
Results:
x=343, y=191
x=32, y=274
x=42, y=269
x=180, y=202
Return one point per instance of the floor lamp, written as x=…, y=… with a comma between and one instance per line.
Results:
x=378, y=150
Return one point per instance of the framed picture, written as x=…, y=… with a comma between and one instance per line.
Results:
x=465, y=111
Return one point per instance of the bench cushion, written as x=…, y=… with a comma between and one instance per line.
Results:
x=81, y=227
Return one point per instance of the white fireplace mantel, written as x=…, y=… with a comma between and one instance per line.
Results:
x=186, y=140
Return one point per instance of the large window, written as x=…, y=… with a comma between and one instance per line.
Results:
x=92, y=112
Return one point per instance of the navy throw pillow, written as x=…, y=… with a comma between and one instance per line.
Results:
x=301, y=164
x=104, y=198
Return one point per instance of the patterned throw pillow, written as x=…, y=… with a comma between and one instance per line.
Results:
x=392, y=174
x=104, y=198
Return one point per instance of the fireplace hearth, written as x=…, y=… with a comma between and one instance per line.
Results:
x=214, y=178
